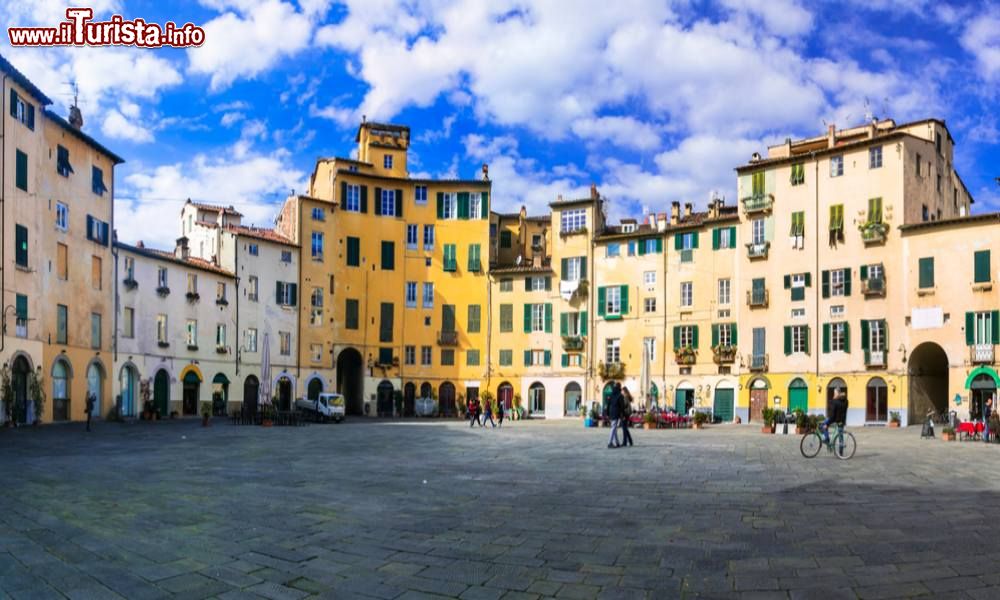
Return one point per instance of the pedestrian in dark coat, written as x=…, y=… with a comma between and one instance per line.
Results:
x=500, y=413
x=615, y=413
x=91, y=400
x=488, y=414
x=626, y=418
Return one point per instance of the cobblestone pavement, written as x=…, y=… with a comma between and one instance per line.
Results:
x=535, y=510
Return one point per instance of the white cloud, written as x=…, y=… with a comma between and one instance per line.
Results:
x=982, y=39
x=244, y=45
x=625, y=132
x=230, y=118
x=781, y=17
x=119, y=124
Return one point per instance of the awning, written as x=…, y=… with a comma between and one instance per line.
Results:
x=982, y=371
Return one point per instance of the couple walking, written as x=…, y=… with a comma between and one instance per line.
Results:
x=619, y=411
x=486, y=410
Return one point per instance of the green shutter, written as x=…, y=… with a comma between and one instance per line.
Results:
x=678, y=242
x=527, y=284
x=694, y=240
x=809, y=279
x=825, y=277
x=864, y=336
x=485, y=208
x=21, y=306
x=847, y=282
x=343, y=193
x=583, y=267
x=21, y=175
x=399, y=203
x=563, y=269
x=926, y=269
x=847, y=337
x=565, y=360
x=548, y=284
x=548, y=317
x=715, y=335
x=788, y=281
x=563, y=324
x=694, y=337
x=970, y=328
x=602, y=301
x=826, y=338
x=364, y=198
x=527, y=358
x=732, y=334
x=583, y=323
x=440, y=205
x=21, y=245
x=995, y=327
x=982, y=266
x=642, y=247
x=463, y=205
x=864, y=272
x=732, y=236
x=808, y=338
x=885, y=336
x=715, y=241
x=677, y=337
x=527, y=318
x=378, y=201
x=624, y=289
x=548, y=358
x=788, y=340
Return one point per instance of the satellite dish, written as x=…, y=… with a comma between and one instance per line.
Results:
x=518, y=261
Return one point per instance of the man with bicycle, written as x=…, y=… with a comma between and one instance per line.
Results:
x=837, y=414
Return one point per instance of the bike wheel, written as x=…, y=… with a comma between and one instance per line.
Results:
x=844, y=446
x=810, y=445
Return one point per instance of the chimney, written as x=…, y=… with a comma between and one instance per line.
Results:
x=871, y=128
x=181, y=251
x=661, y=222
x=75, y=117
x=593, y=192
x=831, y=135
x=486, y=172
x=675, y=212
x=713, y=208
x=687, y=210
x=140, y=244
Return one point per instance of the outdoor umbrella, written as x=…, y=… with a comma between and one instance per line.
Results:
x=265, y=373
x=644, y=377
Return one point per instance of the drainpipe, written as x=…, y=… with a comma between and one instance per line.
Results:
x=817, y=348
x=3, y=210
x=236, y=283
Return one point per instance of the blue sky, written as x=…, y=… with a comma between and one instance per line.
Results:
x=653, y=102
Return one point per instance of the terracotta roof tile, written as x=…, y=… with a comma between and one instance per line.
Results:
x=229, y=210
x=194, y=262
x=260, y=233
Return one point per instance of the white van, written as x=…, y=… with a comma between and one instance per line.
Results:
x=326, y=406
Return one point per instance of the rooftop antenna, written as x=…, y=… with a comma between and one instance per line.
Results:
x=75, y=116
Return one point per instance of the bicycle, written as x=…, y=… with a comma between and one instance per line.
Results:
x=841, y=444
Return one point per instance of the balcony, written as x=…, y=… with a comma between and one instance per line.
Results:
x=611, y=370
x=573, y=343
x=130, y=283
x=163, y=290
x=758, y=250
x=874, y=358
x=447, y=338
x=758, y=203
x=874, y=233
x=685, y=356
x=873, y=286
x=724, y=354
x=222, y=302
x=758, y=298
x=192, y=296
x=221, y=349
x=981, y=354
x=758, y=363
x=687, y=256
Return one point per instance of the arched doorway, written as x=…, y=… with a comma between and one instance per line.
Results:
x=60, y=390
x=572, y=399
x=835, y=386
x=798, y=395
x=251, y=395
x=876, y=401
x=129, y=380
x=95, y=385
x=350, y=380
x=505, y=395
x=927, y=369
x=284, y=394
x=409, y=399
x=758, y=398
x=220, y=394
x=20, y=370
x=314, y=389
x=683, y=397
x=383, y=399
x=982, y=385
x=192, y=389
x=161, y=392
x=536, y=398
x=426, y=390
x=446, y=399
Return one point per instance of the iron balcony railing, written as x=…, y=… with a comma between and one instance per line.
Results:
x=874, y=233
x=447, y=338
x=758, y=250
x=758, y=362
x=873, y=286
x=981, y=353
x=758, y=298
x=875, y=358
x=757, y=203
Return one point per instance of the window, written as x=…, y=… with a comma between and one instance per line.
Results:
x=21, y=174
x=98, y=231
x=724, y=331
x=876, y=335
x=95, y=331
x=425, y=355
x=317, y=246
x=798, y=229
x=192, y=283
x=474, y=258
x=573, y=268
x=316, y=352
x=428, y=237
x=220, y=335
x=726, y=238
x=410, y=354
x=836, y=166
x=475, y=316
x=837, y=311
x=411, y=294
x=22, y=111
x=630, y=249
x=96, y=272
x=573, y=220
x=285, y=347
x=651, y=246
x=798, y=313
x=353, y=252
x=286, y=256
x=318, y=213
x=725, y=291
x=506, y=318
x=388, y=256
x=472, y=358
x=449, y=205
x=411, y=237
x=649, y=305
x=612, y=351
x=351, y=314
x=161, y=329
x=387, y=203
x=316, y=300
x=613, y=301
x=428, y=294
x=128, y=322
x=62, y=161
x=507, y=285
x=981, y=328
x=192, y=333
x=798, y=284
x=386, y=322
x=220, y=292
x=926, y=268
x=251, y=340
x=649, y=344
x=21, y=315
x=161, y=277
x=687, y=293
x=573, y=324
x=447, y=357
x=287, y=294
x=420, y=194
x=506, y=358
x=875, y=157
x=450, y=262
x=838, y=337
x=981, y=266
x=800, y=339
x=252, y=285
x=918, y=161
x=798, y=174
x=837, y=282
x=536, y=284
x=62, y=216
x=21, y=245
x=387, y=163
x=62, y=323
x=537, y=317
x=613, y=250
x=62, y=262
x=757, y=231
x=649, y=277
x=505, y=239
x=352, y=202
x=686, y=336
x=475, y=205
x=253, y=249
x=757, y=183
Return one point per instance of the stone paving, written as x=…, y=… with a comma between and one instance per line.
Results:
x=425, y=509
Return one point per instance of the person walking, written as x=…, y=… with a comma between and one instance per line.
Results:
x=626, y=418
x=500, y=413
x=473, y=408
x=614, y=414
x=91, y=400
x=987, y=413
x=488, y=414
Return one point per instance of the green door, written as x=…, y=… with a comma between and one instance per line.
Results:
x=682, y=401
x=161, y=393
x=723, y=408
x=798, y=397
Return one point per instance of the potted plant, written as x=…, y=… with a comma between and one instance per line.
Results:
x=36, y=393
x=7, y=395
x=649, y=420
x=894, y=419
x=801, y=421
x=768, y=415
x=518, y=411
x=948, y=434
x=593, y=417
x=267, y=415
x=699, y=419
x=206, y=413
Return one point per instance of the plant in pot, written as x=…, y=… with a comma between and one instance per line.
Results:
x=460, y=409
x=801, y=421
x=267, y=415
x=7, y=395
x=699, y=419
x=518, y=412
x=948, y=434
x=768, y=415
x=36, y=393
x=206, y=413
x=594, y=417
x=894, y=419
x=649, y=420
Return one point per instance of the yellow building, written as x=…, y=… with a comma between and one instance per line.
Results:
x=822, y=264
x=396, y=277
x=57, y=275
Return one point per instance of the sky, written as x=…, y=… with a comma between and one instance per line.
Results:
x=651, y=101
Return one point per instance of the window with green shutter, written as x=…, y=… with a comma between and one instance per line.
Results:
x=548, y=318
x=21, y=170
x=474, y=318
x=836, y=217
x=757, y=183
x=351, y=314
x=982, y=266
x=353, y=252
x=926, y=268
x=505, y=239
x=472, y=358
x=506, y=358
x=798, y=174
x=385, y=322
x=388, y=256
x=798, y=224
x=450, y=258
x=21, y=245
x=448, y=317
x=874, y=210
x=474, y=262
x=506, y=318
